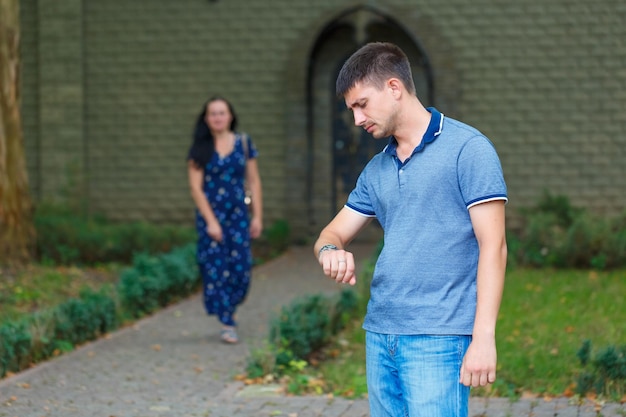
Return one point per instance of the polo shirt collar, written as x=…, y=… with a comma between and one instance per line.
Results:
x=435, y=127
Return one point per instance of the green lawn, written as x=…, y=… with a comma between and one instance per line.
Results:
x=544, y=319
x=38, y=287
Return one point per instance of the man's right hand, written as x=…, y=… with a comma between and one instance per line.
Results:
x=338, y=265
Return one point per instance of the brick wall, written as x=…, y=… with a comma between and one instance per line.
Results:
x=112, y=89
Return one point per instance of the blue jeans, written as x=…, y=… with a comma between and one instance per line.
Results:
x=415, y=376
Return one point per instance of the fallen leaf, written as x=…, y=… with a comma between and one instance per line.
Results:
x=528, y=395
x=334, y=353
x=156, y=348
x=569, y=392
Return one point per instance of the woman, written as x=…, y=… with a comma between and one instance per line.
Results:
x=219, y=163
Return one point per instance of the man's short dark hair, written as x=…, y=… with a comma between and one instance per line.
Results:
x=375, y=63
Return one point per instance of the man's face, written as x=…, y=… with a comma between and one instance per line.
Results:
x=373, y=109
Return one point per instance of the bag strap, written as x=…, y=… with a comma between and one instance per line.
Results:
x=244, y=143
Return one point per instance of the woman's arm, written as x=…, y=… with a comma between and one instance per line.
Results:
x=253, y=178
x=195, y=174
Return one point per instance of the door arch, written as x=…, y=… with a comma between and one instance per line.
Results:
x=339, y=149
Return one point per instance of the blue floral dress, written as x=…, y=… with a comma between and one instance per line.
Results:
x=225, y=266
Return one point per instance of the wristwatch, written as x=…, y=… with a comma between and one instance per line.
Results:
x=325, y=248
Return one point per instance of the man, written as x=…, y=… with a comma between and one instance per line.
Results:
x=438, y=191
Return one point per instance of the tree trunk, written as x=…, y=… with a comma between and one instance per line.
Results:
x=17, y=233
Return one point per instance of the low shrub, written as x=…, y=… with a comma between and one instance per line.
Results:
x=604, y=372
x=66, y=237
x=15, y=341
x=302, y=328
x=556, y=234
x=155, y=280
x=82, y=319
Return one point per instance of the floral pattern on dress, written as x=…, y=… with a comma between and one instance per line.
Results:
x=226, y=267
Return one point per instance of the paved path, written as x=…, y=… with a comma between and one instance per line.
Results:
x=173, y=365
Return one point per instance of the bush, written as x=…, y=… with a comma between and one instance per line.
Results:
x=605, y=373
x=67, y=237
x=86, y=318
x=15, y=342
x=302, y=328
x=614, y=246
x=154, y=281
x=555, y=234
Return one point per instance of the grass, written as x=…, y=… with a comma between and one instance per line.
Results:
x=38, y=287
x=544, y=319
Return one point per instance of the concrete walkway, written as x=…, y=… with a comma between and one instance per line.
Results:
x=172, y=364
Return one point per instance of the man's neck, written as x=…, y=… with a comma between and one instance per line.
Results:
x=412, y=125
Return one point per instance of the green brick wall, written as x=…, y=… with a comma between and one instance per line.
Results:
x=112, y=88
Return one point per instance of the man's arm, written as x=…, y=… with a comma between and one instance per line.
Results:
x=479, y=364
x=338, y=264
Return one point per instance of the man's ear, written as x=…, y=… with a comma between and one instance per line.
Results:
x=395, y=85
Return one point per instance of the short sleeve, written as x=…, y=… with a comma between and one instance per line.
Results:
x=249, y=148
x=480, y=172
x=359, y=199
x=252, y=150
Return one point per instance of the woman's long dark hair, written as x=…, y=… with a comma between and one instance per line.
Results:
x=203, y=145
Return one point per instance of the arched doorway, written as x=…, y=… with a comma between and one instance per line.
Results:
x=341, y=150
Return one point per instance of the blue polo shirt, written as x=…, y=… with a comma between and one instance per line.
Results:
x=425, y=277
